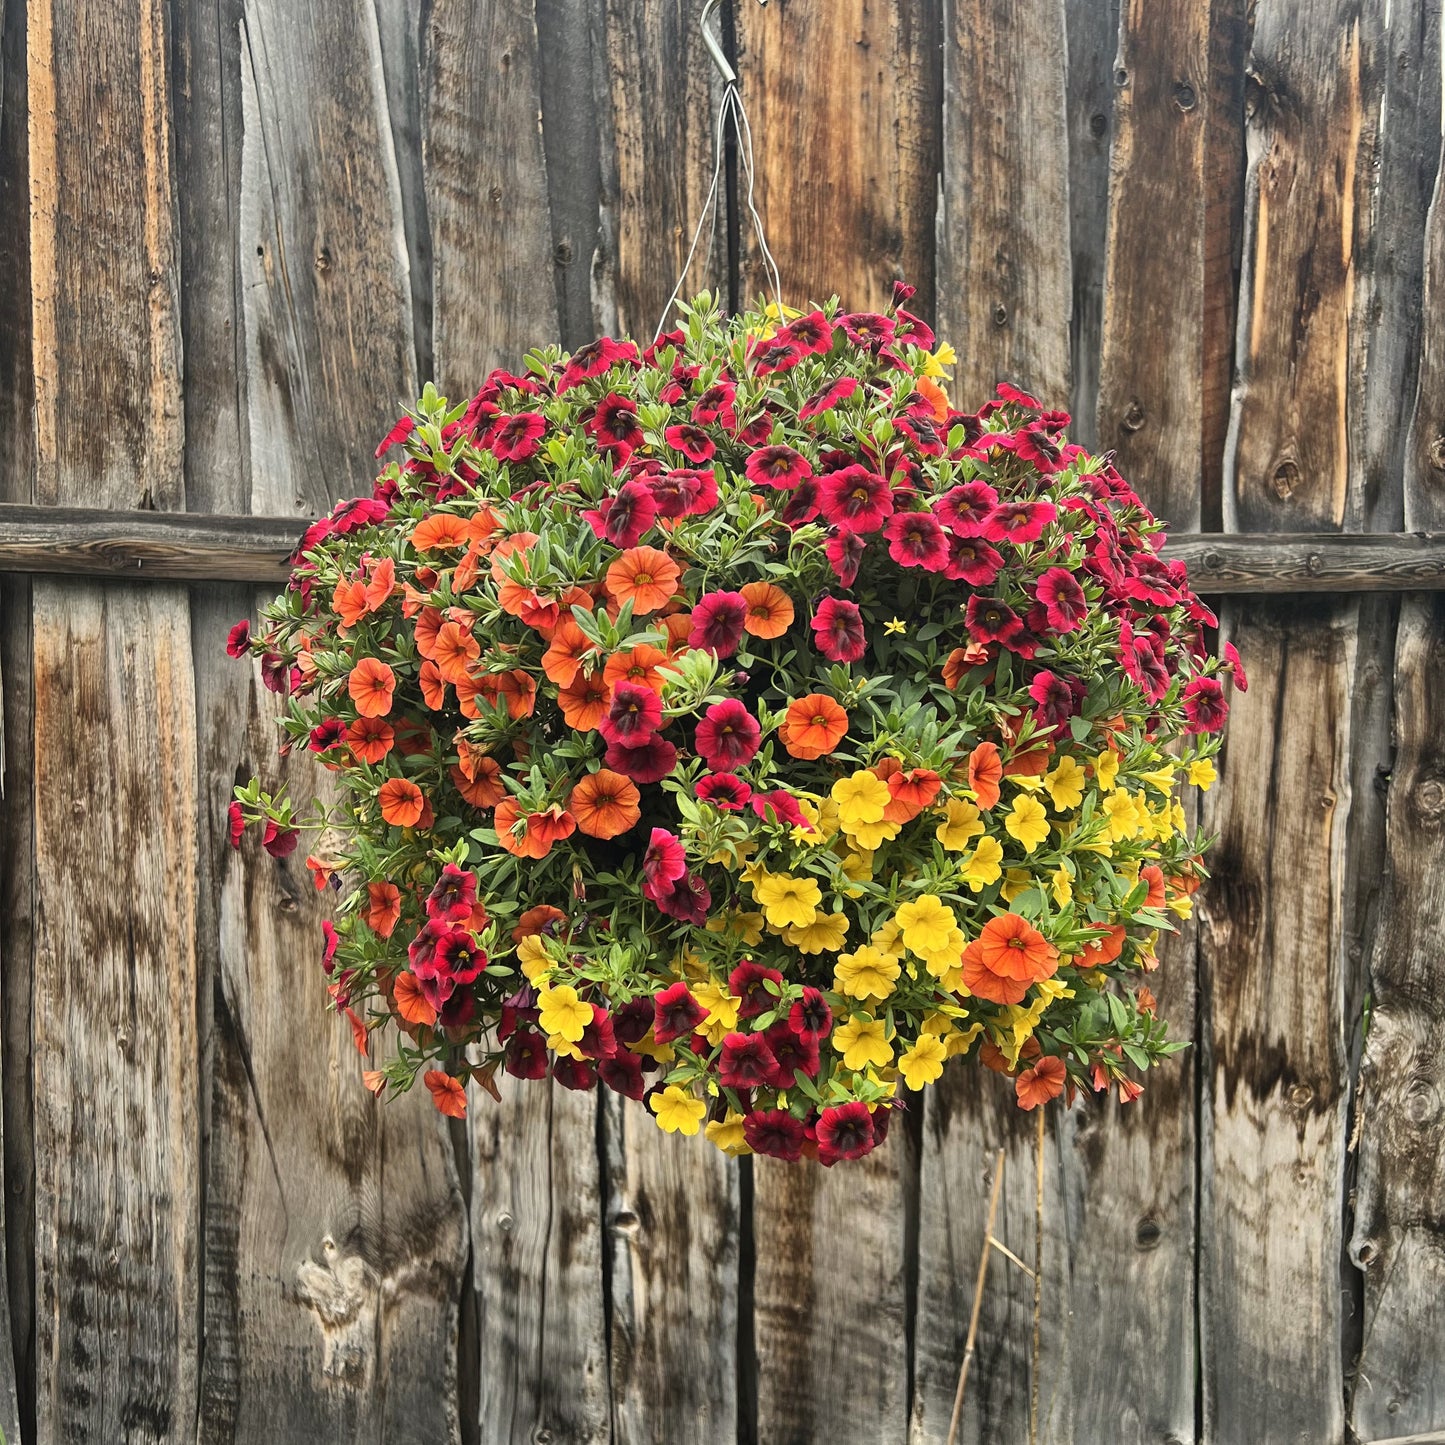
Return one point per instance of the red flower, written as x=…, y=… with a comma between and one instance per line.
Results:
x=328, y=950
x=856, y=498
x=1204, y=705
x=838, y=630
x=810, y=1017
x=749, y=982
x=775, y=1132
x=728, y=736
x=715, y=402
x=1061, y=595
x=526, y=1055
x=454, y=895
x=664, y=861
x=614, y=425
x=828, y=398
x=458, y=957
x=238, y=639
x=277, y=841
x=1235, y=667
x=791, y=1052
x=725, y=791
x=1055, y=699
x=649, y=762
x=516, y=438
x=625, y=518
x=575, y=1074
x=622, y=1073
x=326, y=735
x=778, y=466
x=691, y=441
x=718, y=620
x=676, y=1013
x=813, y=333
x=867, y=329
x=1019, y=521
x=845, y=551
x=633, y=715
x=989, y=620
x=398, y=433
x=966, y=508
x=913, y=330
x=747, y=1062
x=778, y=353
x=1015, y=397
x=802, y=503
x=845, y=1132
x=236, y=824
x=688, y=899
x=598, y=1040
x=916, y=540
x=683, y=493
x=779, y=806
x=593, y=359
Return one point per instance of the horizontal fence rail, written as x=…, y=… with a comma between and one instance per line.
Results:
x=185, y=547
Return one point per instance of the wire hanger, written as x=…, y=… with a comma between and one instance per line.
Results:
x=731, y=107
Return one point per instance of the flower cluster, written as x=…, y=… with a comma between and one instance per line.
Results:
x=736, y=724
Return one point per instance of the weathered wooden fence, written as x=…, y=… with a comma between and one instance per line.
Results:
x=236, y=233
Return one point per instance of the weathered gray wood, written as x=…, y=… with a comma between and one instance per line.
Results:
x=847, y=95
x=1004, y=282
x=672, y=1221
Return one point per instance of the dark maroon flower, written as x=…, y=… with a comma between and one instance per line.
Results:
x=725, y=791
x=238, y=639
x=716, y=402
x=845, y=1131
x=275, y=671
x=810, y=1016
x=903, y=293
x=235, y=824
x=1059, y=591
x=778, y=353
x=683, y=493
x=622, y=1073
x=633, y=715
x=855, y=498
x=688, y=899
x=692, y=441
x=398, y=433
x=676, y=1013
x=614, y=425
x=454, y=895
x=649, y=762
x=516, y=438
x=1034, y=445
x=728, y=736
x=972, y=560
x=802, y=503
x=989, y=620
x=778, y=466
x=838, y=630
x=791, y=1052
x=624, y=519
x=1019, y=521
x=717, y=622
x=631, y=1022
x=578, y=1074
x=828, y=398
x=521, y=1008
x=776, y=1133
x=749, y=982
x=916, y=540
x=1053, y=698
x=867, y=329
x=664, y=860
x=598, y=1039
x=747, y=1062
x=966, y=508
x=1204, y=705
x=458, y=956
x=326, y=735
x=279, y=842
x=812, y=332
x=421, y=951
x=526, y=1055
x=845, y=552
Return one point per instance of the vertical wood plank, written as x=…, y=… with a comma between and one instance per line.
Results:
x=115, y=1046
x=1004, y=279
x=1398, y=1226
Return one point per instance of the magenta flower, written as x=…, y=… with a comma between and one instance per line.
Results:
x=989, y=620
x=614, y=424
x=1059, y=591
x=1204, y=705
x=966, y=508
x=714, y=404
x=916, y=540
x=454, y=895
x=856, y=498
x=972, y=560
x=623, y=519
x=728, y=736
x=516, y=438
x=598, y=1040
x=458, y=956
x=1235, y=667
x=838, y=630
x=867, y=329
x=692, y=441
x=778, y=353
x=1054, y=699
x=828, y=398
x=778, y=466
x=328, y=951
x=633, y=715
x=724, y=790
x=844, y=550
x=778, y=806
x=1019, y=521
x=747, y=1062
x=664, y=861
x=688, y=899
x=238, y=639
x=236, y=824
x=802, y=503
x=812, y=332
x=683, y=492
x=717, y=622
x=650, y=762
x=593, y=359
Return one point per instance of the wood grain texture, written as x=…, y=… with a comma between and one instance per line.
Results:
x=1004, y=282
x=831, y=1296
x=1150, y=370
x=657, y=102
x=486, y=189
x=537, y=1246
x=672, y=1223
x=325, y=285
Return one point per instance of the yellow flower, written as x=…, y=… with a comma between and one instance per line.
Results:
x=1183, y=905
x=722, y=1010
x=858, y=866
x=1063, y=887
x=533, y=958
x=867, y=972
x=648, y=1046
x=861, y=1042
x=727, y=1134
x=822, y=814
x=1201, y=773
x=961, y=1042
x=1015, y=881
x=1123, y=820
x=861, y=798
x=870, y=836
x=566, y=1047
x=1106, y=769
x=1066, y=784
x=1161, y=779
x=895, y=627
x=923, y=1063
x=960, y=827
x=563, y=1013
x=1029, y=782
x=1027, y=822
x=677, y=1111
x=926, y=923
x=889, y=937
x=824, y=934
x=748, y=926
x=985, y=865
x=944, y=356
x=787, y=900
x=940, y=962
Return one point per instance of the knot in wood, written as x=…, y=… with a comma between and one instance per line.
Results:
x=1121, y=77
x=1098, y=124
x=323, y=259
x=1134, y=417
x=1185, y=97
x=1437, y=453
x=1147, y=1233
x=494, y=193
x=1429, y=801
x=1285, y=478
x=1301, y=1096
x=1422, y=1102
x=1000, y=314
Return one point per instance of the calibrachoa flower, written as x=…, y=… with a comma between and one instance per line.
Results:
x=738, y=726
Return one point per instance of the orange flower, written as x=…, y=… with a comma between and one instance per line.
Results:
x=441, y=531
x=447, y=1093
x=934, y=395
x=563, y=658
x=1153, y=875
x=1103, y=950
x=455, y=648
x=979, y=979
x=383, y=908
x=959, y=661
x=770, y=609
x=985, y=771
x=604, y=804
x=516, y=689
x=484, y=788
x=507, y=547
x=358, y=1032
x=909, y=793
x=348, y=602
x=464, y=574
x=483, y=524
x=517, y=598
x=382, y=584
x=678, y=626
x=401, y=802
x=433, y=689
x=644, y=577
x=640, y=664
x=371, y=684
x=411, y=1002
x=584, y=701
x=1041, y=1083
x=1011, y=947
x=535, y=921
x=373, y=1080
x=370, y=739
x=814, y=726
x=534, y=836
x=428, y=624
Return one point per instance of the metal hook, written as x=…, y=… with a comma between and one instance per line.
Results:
x=714, y=49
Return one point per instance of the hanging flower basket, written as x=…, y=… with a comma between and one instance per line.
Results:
x=737, y=725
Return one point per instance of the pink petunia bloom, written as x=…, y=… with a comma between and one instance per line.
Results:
x=778, y=806
x=454, y=895
x=828, y=398
x=1204, y=705
x=650, y=762
x=916, y=540
x=868, y=329
x=1019, y=522
x=838, y=630
x=625, y=518
x=683, y=492
x=633, y=715
x=717, y=622
x=330, y=940
x=1014, y=397
x=664, y=860
x=728, y=736
x=399, y=433
x=777, y=353
x=844, y=550
x=966, y=507
x=694, y=443
x=989, y=620
x=747, y=1062
x=593, y=359
x=723, y=790
x=855, y=498
x=1059, y=591
x=1034, y=445
x=778, y=466
x=749, y=982
x=911, y=329
x=614, y=425
x=598, y=1040
x=972, y=560
x=516, y=438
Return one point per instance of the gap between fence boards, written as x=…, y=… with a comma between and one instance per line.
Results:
x=197, y=547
